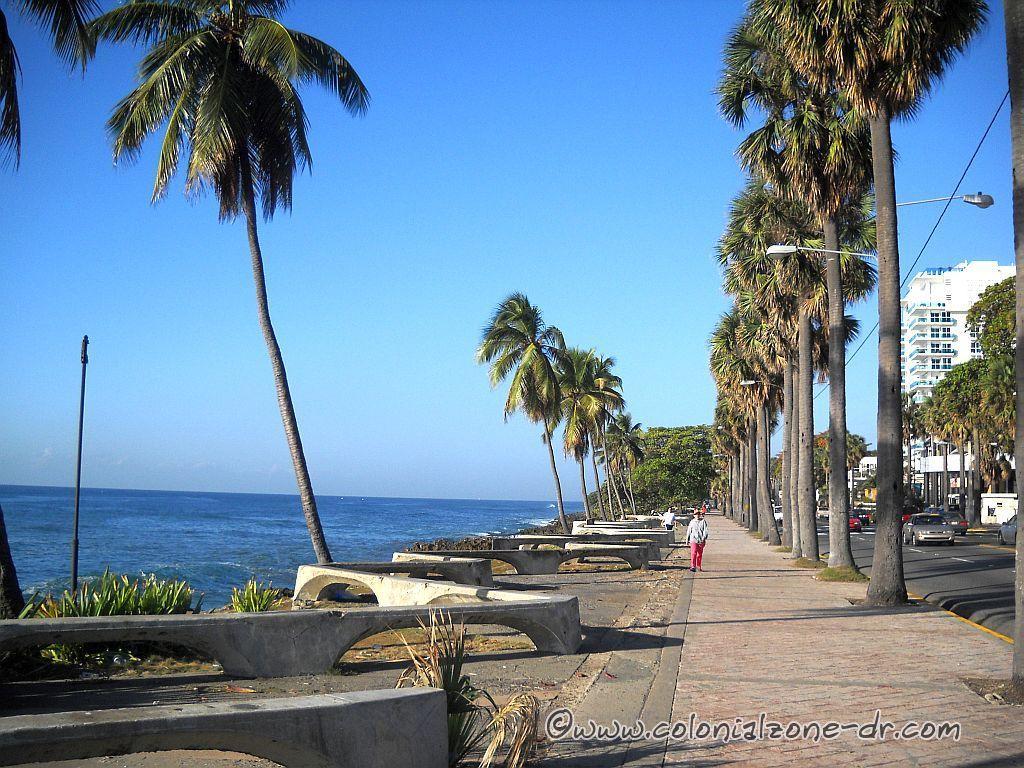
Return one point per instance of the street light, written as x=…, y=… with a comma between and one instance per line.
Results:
x=979, y=200
x=787, y=250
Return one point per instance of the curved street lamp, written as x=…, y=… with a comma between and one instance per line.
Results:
x=979, y=200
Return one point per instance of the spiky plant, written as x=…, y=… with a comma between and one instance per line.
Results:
x=474, y=719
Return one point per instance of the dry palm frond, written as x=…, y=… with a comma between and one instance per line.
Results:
x=514, y=725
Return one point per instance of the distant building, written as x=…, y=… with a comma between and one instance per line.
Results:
x=934, y=328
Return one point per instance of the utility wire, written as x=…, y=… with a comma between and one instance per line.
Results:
x=920, y=253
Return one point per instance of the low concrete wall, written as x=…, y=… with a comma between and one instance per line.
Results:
x=368, y=729
x=312, y=581
x=286, y=643
x=629, y=522
x=534, y=562
x=560, y=540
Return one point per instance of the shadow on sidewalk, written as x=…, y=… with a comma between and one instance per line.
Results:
x=600, y=754
x=813, y=614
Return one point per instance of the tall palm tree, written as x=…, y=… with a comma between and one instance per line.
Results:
x=67, y=21
x=220, y=80
x=583, y=398
x=813, y=147
x=1014, y=22
x=518, y=343
x=912, y=430
x=626, y=437
x=885, y=56
x=603, y=377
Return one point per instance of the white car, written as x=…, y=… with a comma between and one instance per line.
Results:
x=1008, y=532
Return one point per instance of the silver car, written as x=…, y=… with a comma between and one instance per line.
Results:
x=1008, y=532
x=923, y=528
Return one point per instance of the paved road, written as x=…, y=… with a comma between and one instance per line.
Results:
x=973, y=578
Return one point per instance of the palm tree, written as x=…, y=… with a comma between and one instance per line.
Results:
x=516, y=341
x=814, y=148
x=67, y=21
x=912, y=430
x=626, y=437
x=11, y=599
x=885, y=56
x=603, y=377
x=583, y=397
x=220, y=79
x=1014, y=22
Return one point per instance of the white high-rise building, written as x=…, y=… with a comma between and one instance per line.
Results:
x=934, y=332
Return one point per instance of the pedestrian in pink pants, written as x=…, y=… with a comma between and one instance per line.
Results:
x=697, y=537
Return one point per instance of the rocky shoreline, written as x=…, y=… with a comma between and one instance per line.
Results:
x=484, y=542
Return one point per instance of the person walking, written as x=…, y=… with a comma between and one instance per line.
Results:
x=697, y=536
x=668, y=519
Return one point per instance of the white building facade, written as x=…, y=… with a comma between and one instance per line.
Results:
x=934, y=321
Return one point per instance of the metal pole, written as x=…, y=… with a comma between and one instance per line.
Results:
x=78, y=467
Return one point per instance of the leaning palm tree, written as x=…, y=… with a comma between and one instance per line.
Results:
x=67, y=21
x=220, y=80
x=518, y=343
x=603, y=378
x=884, y=56
x=626, y=437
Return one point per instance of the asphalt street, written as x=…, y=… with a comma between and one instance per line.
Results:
x=973, y=578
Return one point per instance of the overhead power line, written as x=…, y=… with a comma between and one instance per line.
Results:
x=910, y=270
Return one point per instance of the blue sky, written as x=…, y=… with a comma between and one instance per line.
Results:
x=570, y=150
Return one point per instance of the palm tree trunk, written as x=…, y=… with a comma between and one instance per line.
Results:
x=284, y=396
x=742, y=485
x=11, y=600
x=558, y=483
x=597, y=486
x=761, y=480
x=771, y=526
x=945, y=476
x=753, y=521
x=583, y=487
x=618, y=496
x=734, y=504
x=975, y=517
x=607, y=474
x=962, y=484
x=785, y=456
x=805, y=387
x=887, y=586
x=840, y=553
x=629, y=487
x=1013, y=14
x=794, y=461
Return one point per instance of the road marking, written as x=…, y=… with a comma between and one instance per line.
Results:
x=998, y=546
x=919, y=551
x=974, y=624
x=961, y=559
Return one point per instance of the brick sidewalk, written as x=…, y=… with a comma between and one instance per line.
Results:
x=763, y=636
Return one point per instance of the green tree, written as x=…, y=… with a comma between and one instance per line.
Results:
x=677, y=468
x=518, y=343
x=992, y=318
x=220, y=78
x=67, y=21
x=884, y=56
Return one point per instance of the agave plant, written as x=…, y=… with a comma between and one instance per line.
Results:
x=254, y=597
x=474, y=718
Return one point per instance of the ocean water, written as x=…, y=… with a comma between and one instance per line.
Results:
x=219, y=540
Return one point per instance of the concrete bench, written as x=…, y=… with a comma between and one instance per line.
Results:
x=561, y=540
x=664, y=537
x=318, y=582
x=646, y=523
x=533, y=562
x=368, y=729
x=304, y=642
x=467, y=570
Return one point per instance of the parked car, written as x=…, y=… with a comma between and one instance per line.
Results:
x=855, y=524
x=1008, y=532
x=925, y=527
x=863, y=516
x=957, y=521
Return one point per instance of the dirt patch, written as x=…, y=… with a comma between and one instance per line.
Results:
x=391, y=646
x=996, y=691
